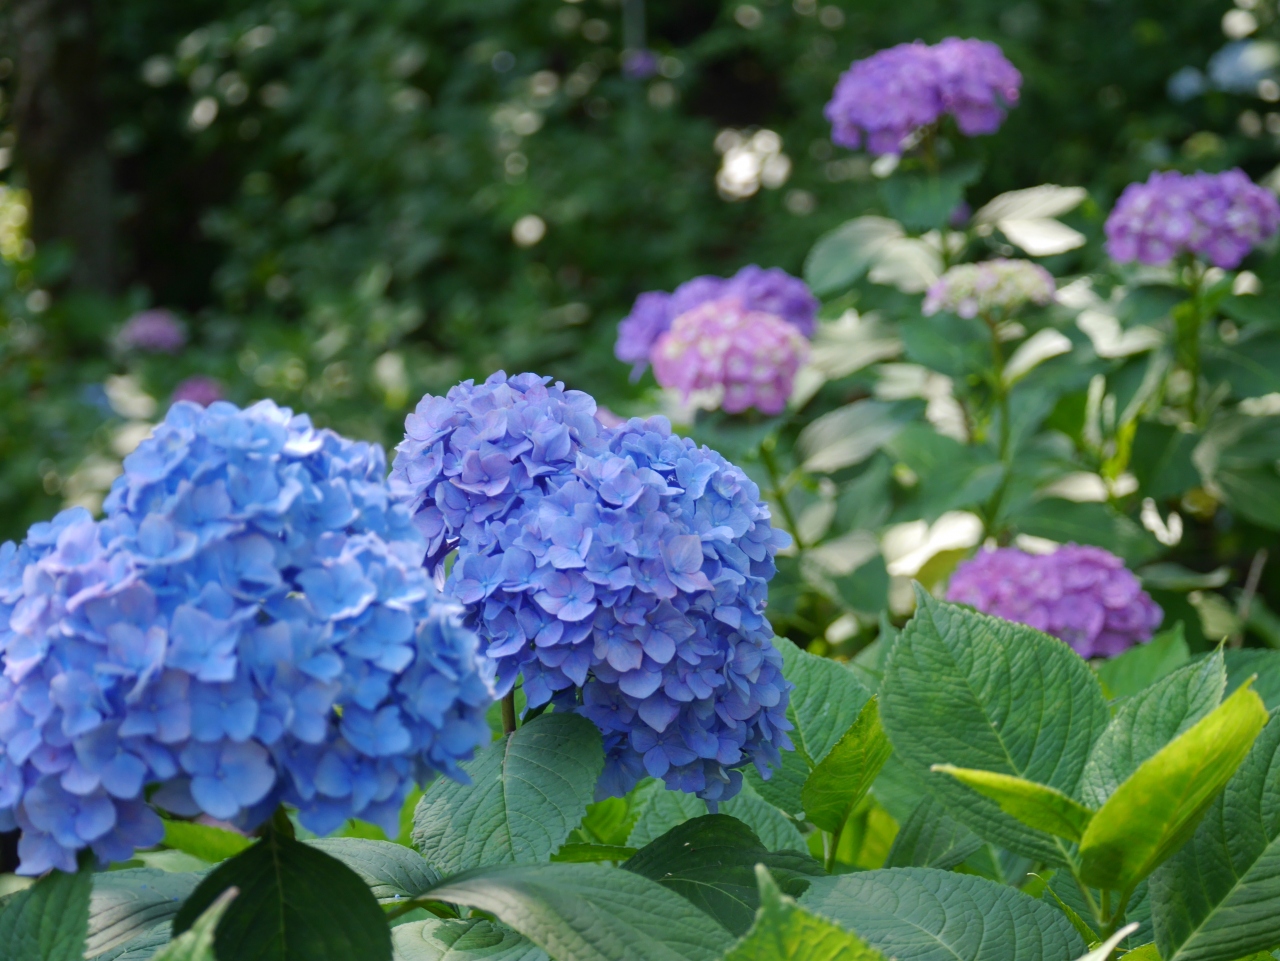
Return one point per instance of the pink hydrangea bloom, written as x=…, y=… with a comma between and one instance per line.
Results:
x=969, y=290
x=198, y=389
x=751, y=354
x=1083, y=595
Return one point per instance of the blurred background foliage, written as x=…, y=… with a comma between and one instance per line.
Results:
x=349, y=203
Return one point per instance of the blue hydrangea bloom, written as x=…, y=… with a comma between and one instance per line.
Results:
x=250, y=624
x=623, y=572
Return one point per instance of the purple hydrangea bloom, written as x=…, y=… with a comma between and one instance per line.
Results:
x=623, y=572
x=770, y=290
x=1083, y=595
x=639, y=64
x=154, y=332
x=1218, y=217
x=887, y=97
x=750, y=355
x=997, y=285
x=250, y=624
x=198, y=389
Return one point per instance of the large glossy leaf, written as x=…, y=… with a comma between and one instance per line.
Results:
x=1089, y=523
x=825, y=703
x=931, y=838
x=659, y=810
x=204, y=842
x=128, y=904
x=141, y=948
x=841, y=780
x=784, y=931
x=443, y=939
x=785, y=784
x=1035, y=805
x=392, y=871
x=1219, y=897
x=842, y=256
x=974, y=691
x=528, y=791
x=1148, y=721
x=923, y=914
x=296, y=903
x=776, y=831
x=197, y=944
x=1154, y=812
x=1141, y=666
x=586, y=912
x=849, y=435
x=711, y=861
x=48, y=921
x=1262, y=665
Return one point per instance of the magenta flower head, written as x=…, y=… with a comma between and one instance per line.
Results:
x=1217, y=217
x=771, y=290
x=999, y=285
x=1083, y=595
x=885, y=98
x=153, y=332
x=751, y=355
x=198, y=389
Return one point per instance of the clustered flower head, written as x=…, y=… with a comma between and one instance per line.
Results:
x=249, y=624
x=198, y=389
x=622, y=571
x=998, y=285
x=752, y=356
x=1217, y=217
x=771, y=291
x=890, y=95
x=1083, y=595
x=154, y=332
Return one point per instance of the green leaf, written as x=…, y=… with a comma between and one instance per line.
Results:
x=1145, y=664
x=1219, y=897
x=1148, y=721
x=1035, y=805
x=610, y=821
x=197, y=944
x=1161, y=460
x=843, y=255
x=659, y=810
x=579, y=853
x=296, y=903
x=1154, y=812
x=926, y=201
x=1242, y=665
x=923, y=914
x=776, y=831
x=529, y=790
x=48, y=921
x=978, y=692
x=825, y=703
x=931, y=838
x=786, y=783
x=392, y=871
x=1253, y=492
x=1252, y=309
x=841, y=780
x=849, y=435
x=1103, y=951
x=711, y=861
x=204, y=842
x=784, y=931
x=126, y=905
x=587, y=912
x=141, y=948
x=1089, y=523
x=443, y=939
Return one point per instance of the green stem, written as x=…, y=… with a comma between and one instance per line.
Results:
x=1001, y=391
x=435, y=907
x=1098, y=919
x=1187, y=326
x=1114, y=922
x=776, y=489
x=831, y=842
x=509, y=712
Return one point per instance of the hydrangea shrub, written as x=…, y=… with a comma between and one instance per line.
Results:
x=622, y=571
x=996, y=286
x=249, y=625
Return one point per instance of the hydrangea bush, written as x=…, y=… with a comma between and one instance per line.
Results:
x=621, y=572
x=249, y=625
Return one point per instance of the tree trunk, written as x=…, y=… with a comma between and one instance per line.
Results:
x=61, y=135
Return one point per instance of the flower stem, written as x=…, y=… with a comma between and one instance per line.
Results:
x=775, y=488
x=1001, y=391
x=509, y=712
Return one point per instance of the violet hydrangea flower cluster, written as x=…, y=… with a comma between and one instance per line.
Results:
x=249, y=624
x=771, y=291
x=153, y=332
x=882, y=100
x=750, y=355
x=1217, y=217
x=622, y=571
x=1083, y=595
x=992, y=286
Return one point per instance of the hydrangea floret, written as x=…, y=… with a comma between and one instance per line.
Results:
x=1083, y=595
x=997, y=287
x=155, y=331
x=771, y=291
x=250, y=624
x=883, y=100
x=1218, y=217
x=621, y=571
x=748, y=356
